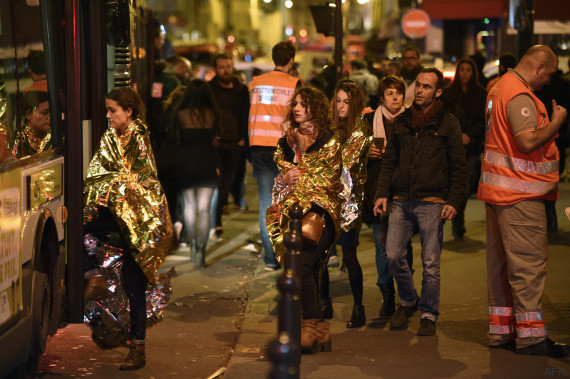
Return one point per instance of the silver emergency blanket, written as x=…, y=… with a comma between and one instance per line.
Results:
x=109, y=318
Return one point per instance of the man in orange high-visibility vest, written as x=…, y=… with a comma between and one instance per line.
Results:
x=270, y=95
x=519, y=172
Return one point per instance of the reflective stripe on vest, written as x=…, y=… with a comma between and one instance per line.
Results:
x=266, y=133
x=267, y=118
x=517, y=185
x=501, y=320
x=522, y=165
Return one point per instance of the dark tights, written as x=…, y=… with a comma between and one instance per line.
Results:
x=354, y=273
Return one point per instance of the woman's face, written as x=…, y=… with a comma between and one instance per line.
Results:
x=118, y=117
x=300, y=110
x=342, y=103
x=393, y=100
x=464, y=72
x=40, y=120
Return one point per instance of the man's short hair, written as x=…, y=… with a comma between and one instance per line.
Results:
x=36, y=62
x=217, y=57
x=412, y=48
x=439, y=84
x=358, y=63
x=282, y=53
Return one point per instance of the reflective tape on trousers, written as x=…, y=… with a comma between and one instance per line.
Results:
x=495, y=329
x=531, y=332
x=529, y=316
x=501, y=311
x=521, y=165
x=517, y=185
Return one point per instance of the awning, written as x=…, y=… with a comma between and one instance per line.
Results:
x=465, y=9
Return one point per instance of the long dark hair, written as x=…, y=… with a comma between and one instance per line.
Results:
x=317, y=106
x=198, y=97
x=357, y=102
x=474, y=78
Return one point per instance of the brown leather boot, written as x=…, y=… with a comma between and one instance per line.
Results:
x=324, y=336
x=136, y=358
x=95, y=288
x=309, y=342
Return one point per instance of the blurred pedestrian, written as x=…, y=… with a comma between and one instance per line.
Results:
x=310, y=164
x=232, y=99
x=423, y=170
x=37, y=69
x=506, y=60
x=355, y=135
x=270, y=98
x=197, y=128
x=519, y=172
x=121, y=194
x=361, y=75
x=465, y=99
x=391, y=92
x=411, y=67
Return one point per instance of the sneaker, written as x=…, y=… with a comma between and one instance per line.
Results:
x=509, y=345
x=400, y=318
x=427, y=327
x=546, y=347
x=333, y=262
x=272, y=268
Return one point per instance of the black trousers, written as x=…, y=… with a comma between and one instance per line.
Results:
x=106, y=230
x=311, y=259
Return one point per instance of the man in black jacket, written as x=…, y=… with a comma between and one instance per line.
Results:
x=424, y=172
x=232, y=98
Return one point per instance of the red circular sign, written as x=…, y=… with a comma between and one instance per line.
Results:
x=415, y=23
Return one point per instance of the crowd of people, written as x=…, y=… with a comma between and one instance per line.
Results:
x=402, y=158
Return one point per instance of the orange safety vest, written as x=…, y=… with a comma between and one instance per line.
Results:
x=508, y=175
x=270, y=98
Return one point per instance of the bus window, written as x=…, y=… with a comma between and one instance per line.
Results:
x=34, y=135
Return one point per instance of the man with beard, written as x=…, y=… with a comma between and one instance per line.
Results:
x=411, y=67
x=232, y=98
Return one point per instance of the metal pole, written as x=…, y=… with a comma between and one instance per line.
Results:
x=285, y=351
x=338, y=40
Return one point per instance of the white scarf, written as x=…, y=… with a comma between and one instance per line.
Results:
x=378, y=124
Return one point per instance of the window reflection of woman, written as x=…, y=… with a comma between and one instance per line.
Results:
x=309, y=160
x=465, y=98
x=35, y=136
x=355, y=136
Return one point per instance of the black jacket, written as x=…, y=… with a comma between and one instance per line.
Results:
x=429, y=162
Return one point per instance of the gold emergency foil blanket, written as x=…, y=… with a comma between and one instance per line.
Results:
x=319, y=183
x=29, y=143
x=354, y=160
x=122, y=176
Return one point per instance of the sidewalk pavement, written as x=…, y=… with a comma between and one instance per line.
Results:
x=459, y=349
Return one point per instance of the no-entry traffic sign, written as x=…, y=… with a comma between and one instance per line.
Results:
x=415, y=23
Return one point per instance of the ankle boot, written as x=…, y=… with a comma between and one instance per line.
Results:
x=388, y=303
x=324, y=336
x=201, y=257
x=193, y=249
x=136, y=358
x=358, y=318
x=326, y=306
x=309, y=341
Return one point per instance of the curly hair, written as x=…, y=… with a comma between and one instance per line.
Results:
x=317, y=107
x=357, y=102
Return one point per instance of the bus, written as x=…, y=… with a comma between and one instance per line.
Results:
x=57, y=60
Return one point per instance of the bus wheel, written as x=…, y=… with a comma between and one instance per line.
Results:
x=41, y=313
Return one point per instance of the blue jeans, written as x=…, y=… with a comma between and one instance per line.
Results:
x=380, y=231
x=427, y=216
x=265, y=170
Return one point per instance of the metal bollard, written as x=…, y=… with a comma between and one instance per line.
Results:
x=285, y=351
